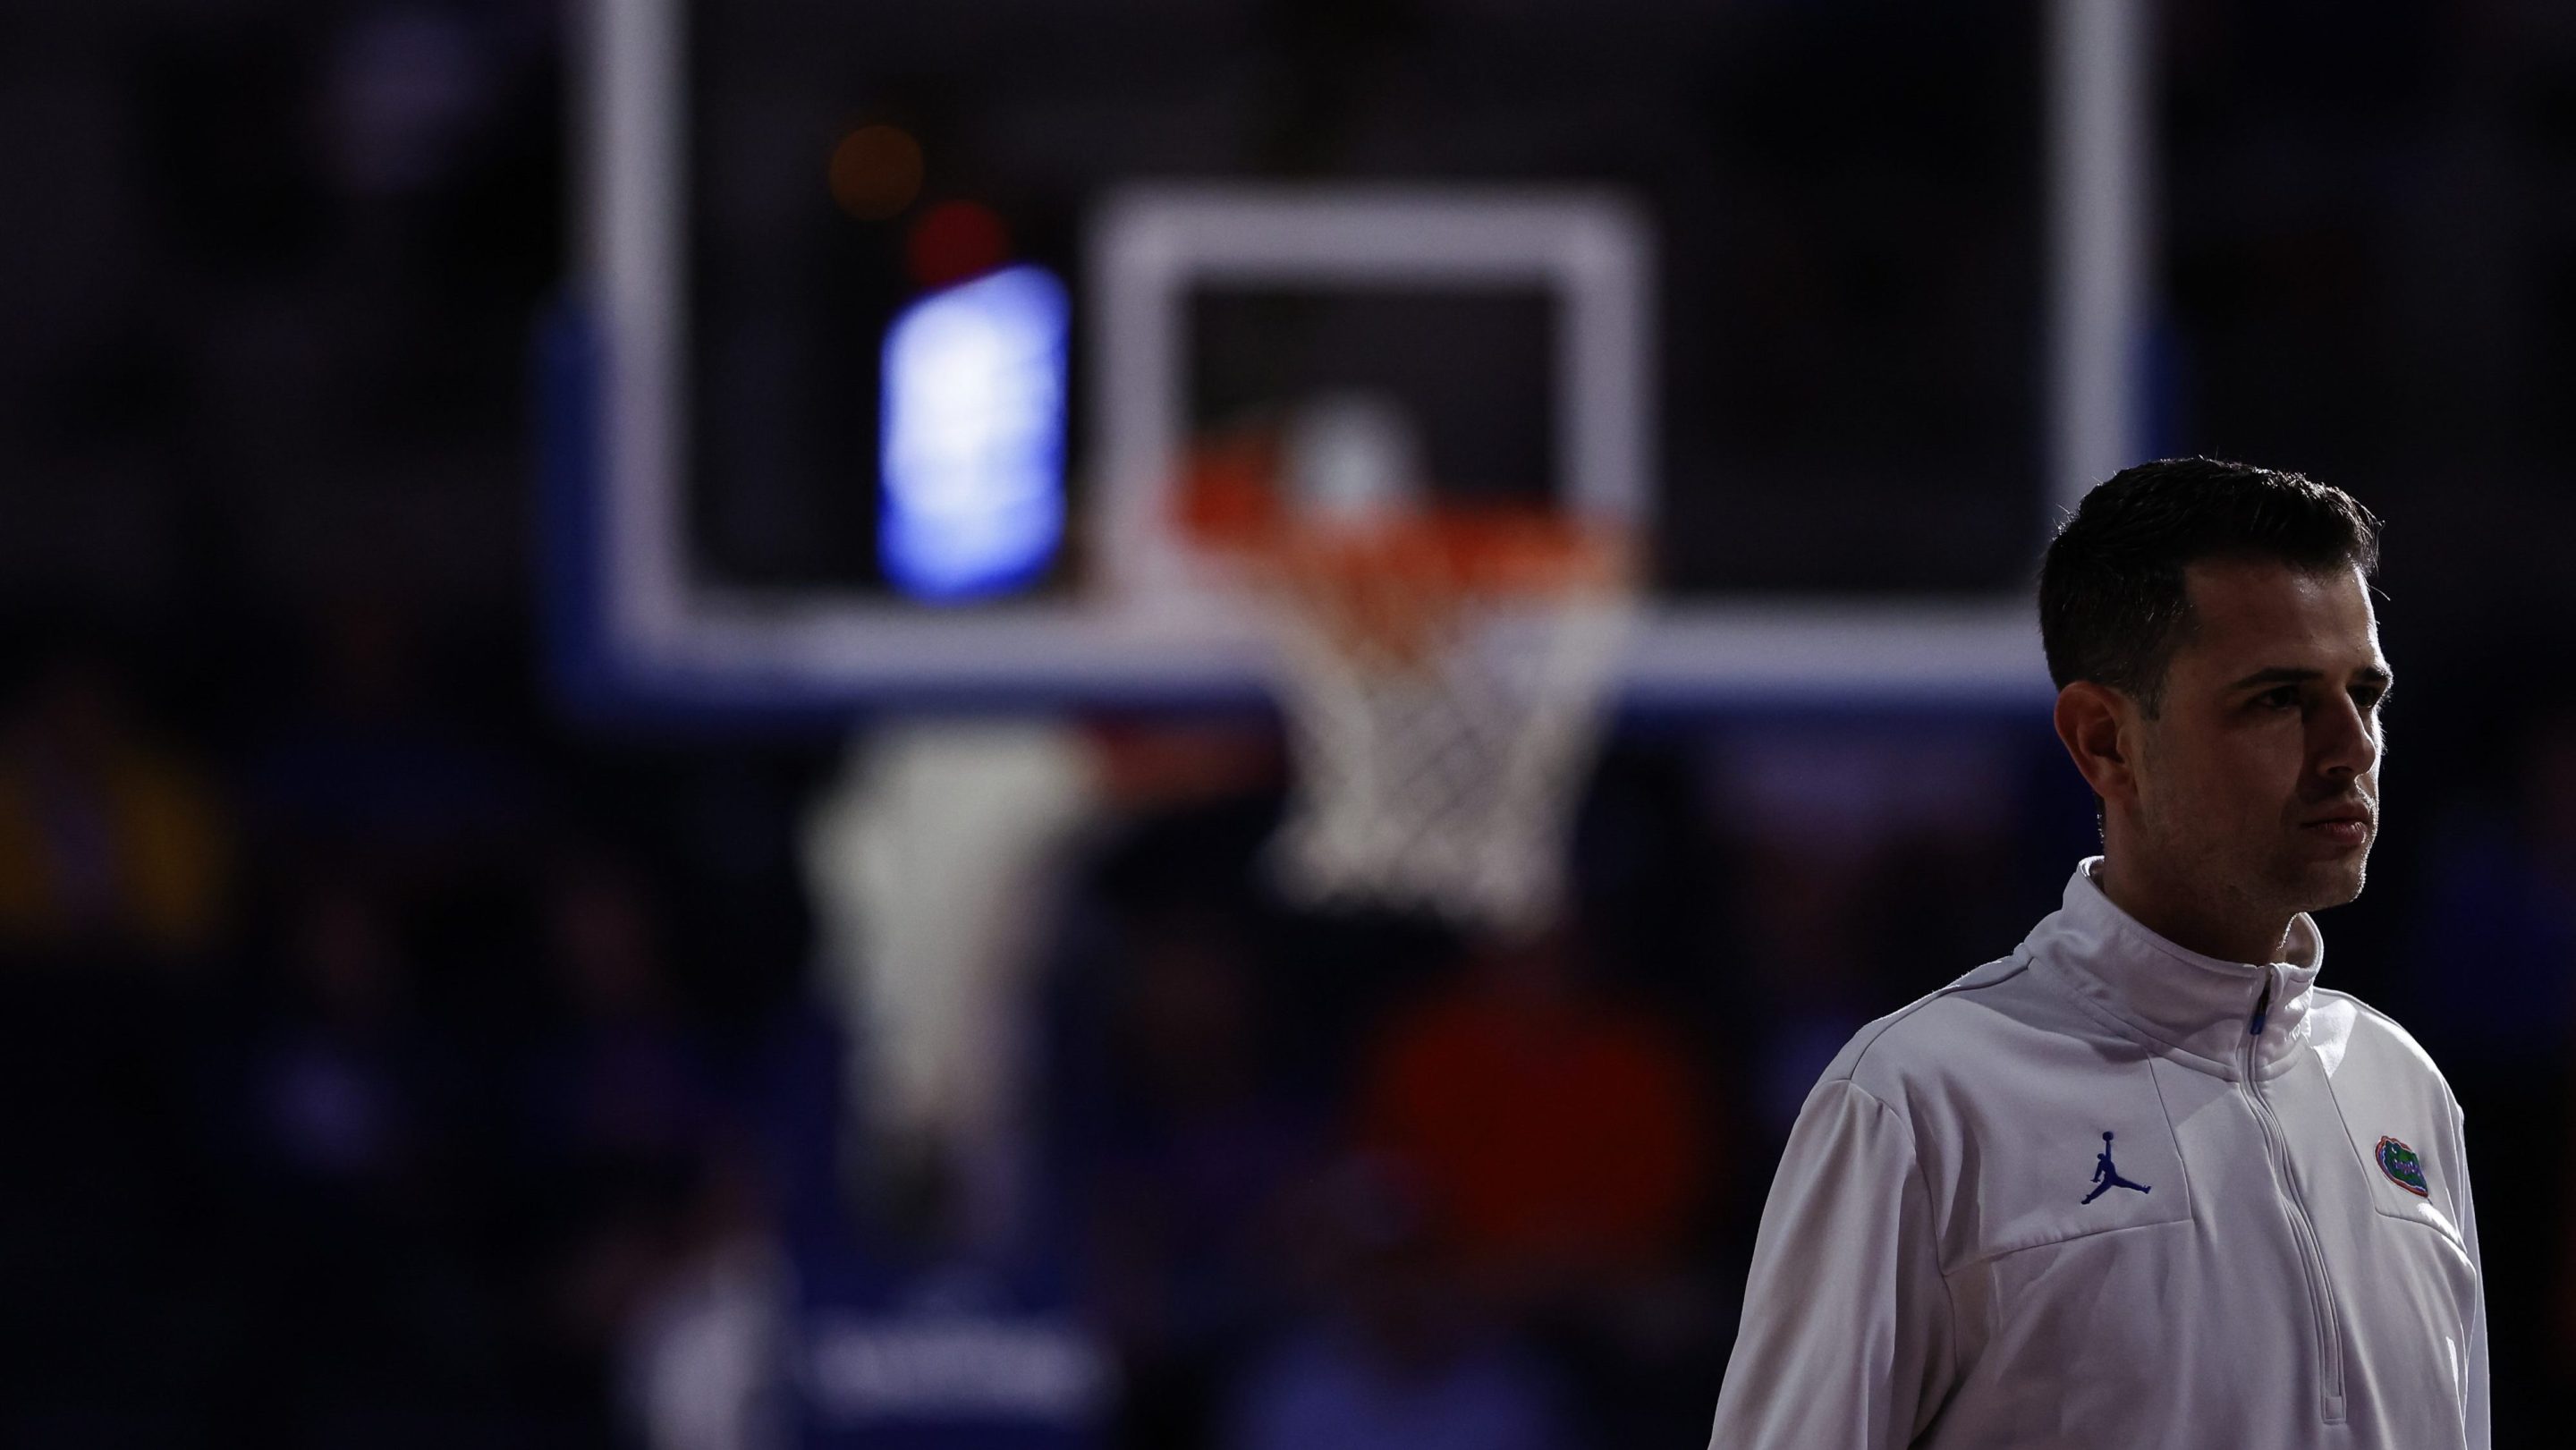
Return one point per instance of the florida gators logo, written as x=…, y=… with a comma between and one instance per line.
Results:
x=2402, y=1167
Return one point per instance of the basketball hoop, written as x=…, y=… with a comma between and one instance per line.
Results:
x=1443, y=672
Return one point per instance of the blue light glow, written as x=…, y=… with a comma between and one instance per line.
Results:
x=972, y=450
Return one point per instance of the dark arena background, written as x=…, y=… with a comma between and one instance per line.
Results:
x=648, y=794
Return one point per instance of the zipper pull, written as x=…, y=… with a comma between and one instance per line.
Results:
x=2262, y=1008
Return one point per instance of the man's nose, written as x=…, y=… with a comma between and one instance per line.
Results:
x=2349, y=743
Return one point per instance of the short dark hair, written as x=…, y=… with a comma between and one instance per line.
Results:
x=2112, y=603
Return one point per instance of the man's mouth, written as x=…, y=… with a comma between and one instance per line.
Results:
x=2343, y=828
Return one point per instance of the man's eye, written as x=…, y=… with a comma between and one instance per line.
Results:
x=2284, y=698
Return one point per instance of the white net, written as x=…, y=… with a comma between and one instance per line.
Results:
x=1439, y=767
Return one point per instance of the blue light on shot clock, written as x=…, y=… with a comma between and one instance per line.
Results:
x=972, y=449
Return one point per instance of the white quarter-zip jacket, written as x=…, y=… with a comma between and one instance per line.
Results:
x=2110, y=1194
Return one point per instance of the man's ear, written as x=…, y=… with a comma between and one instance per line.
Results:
x=2098, y=727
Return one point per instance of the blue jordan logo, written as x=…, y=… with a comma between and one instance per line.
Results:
x=2109, y=1177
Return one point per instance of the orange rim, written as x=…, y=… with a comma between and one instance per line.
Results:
x=1393, y=584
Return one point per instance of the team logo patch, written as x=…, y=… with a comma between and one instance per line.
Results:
x=2402, y=1167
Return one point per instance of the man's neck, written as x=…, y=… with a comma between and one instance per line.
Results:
x=2187, y=918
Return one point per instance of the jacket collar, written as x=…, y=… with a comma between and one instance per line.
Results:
x=2200, y=1007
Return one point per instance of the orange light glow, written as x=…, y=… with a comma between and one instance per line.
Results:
x=875, y=172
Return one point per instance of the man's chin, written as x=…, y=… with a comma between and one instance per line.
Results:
x=2333, y=883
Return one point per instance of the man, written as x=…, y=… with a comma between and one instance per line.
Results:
x=2278, y=1247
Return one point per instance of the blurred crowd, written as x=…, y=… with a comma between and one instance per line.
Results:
x=362, y=1076
x=390, y=1064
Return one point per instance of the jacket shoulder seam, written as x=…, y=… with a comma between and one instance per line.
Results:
x=2021, y=963
x=2406, y=1039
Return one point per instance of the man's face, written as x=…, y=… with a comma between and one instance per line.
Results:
x=2270, y=724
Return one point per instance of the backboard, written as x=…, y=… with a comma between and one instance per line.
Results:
x=1838, y=343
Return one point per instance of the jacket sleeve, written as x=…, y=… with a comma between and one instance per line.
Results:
x=2473, y=1369
x=1846, y=1336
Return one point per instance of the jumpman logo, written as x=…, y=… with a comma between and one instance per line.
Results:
x=2109, y=1177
